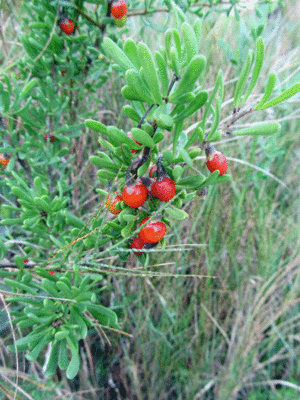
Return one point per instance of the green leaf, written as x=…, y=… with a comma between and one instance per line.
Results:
x=131, y=113
x=30, y=85
x=190, y=41
x=163, y=73
x=137, y=85
x=197, y=133
x=114, y=51
x=164, y=121
x=95, y=126
x=101, y=163
x=42, y=204
x=259, y=59
x=130, y=49
x=118, y=138
x=168, y=156
x=147, y=62
x=33, y=355
x=32, y=337
x=72, y=219
x=241, y=83
x=176, y=213
x=19, y=261
x=63, y=360
x=269, y=90
x=185, y=98
x=52, y=360
x=216, y=119
x=174, y=61
x=186, y=158
x=266, y=128
x=283, y=96
x=19, y=285
x=3, y=250
x=189, y=77
x=190, y=182
x=142, y=137
x=74, y=365
x=4, y=101
x=195, y=104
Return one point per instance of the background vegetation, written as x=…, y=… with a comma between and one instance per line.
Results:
x=233, y=334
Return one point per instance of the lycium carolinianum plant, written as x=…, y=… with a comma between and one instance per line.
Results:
x=149, y=172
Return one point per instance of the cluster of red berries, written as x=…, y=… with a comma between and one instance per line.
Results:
x=66, y=25
x=3, y=160
x=52, y=138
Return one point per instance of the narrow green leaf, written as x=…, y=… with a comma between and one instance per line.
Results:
x=147, y=62
x=189, y=77
x=42, y=204
x=190, y=182
x=174, y=61
x=33, y=355
x=241, y=83
x=186, y=158
x=131, y=113
x=142, y=137
x=118, y=138
x=164, y=121
x=163, y=73
x=195, y=104
x=30, y=85
x=176, y=213
x=74, y=364
x=266, y=128
x=63, y=360
x=101, y=163
x=259, y=59
x=53, y=359
x=137, y=85
x=190, y=41
x=283, y=96
x=95, y=126
x=72, y=219
x=269, y=90
x=114, y=51
x=130, y=49
x=216, y=119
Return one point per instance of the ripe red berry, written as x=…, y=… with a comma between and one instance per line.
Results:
x=52, y=138
x=152, y=232
x=63, y=73
x=215, y=160
x=131, y=137
x=111, y=204
x=51, y=272
x=67, y=26
x=25, y=261
x=164, y=188
x=118, y=9
x=137, y=243
x=3, y=160
x=135, y=195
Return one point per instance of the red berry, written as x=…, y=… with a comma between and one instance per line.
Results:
x=215, y=160
x=164, y=188
x=25, y=261
x=52, y=138
x=135, y=195
x=51, y=272
x=152, y=170
x=152, y=232
x=67, y=26
x=4, y=161
x=63, y=73
x=137, y=243
x=118, y=9
x=131, y=137
x=111, y=204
